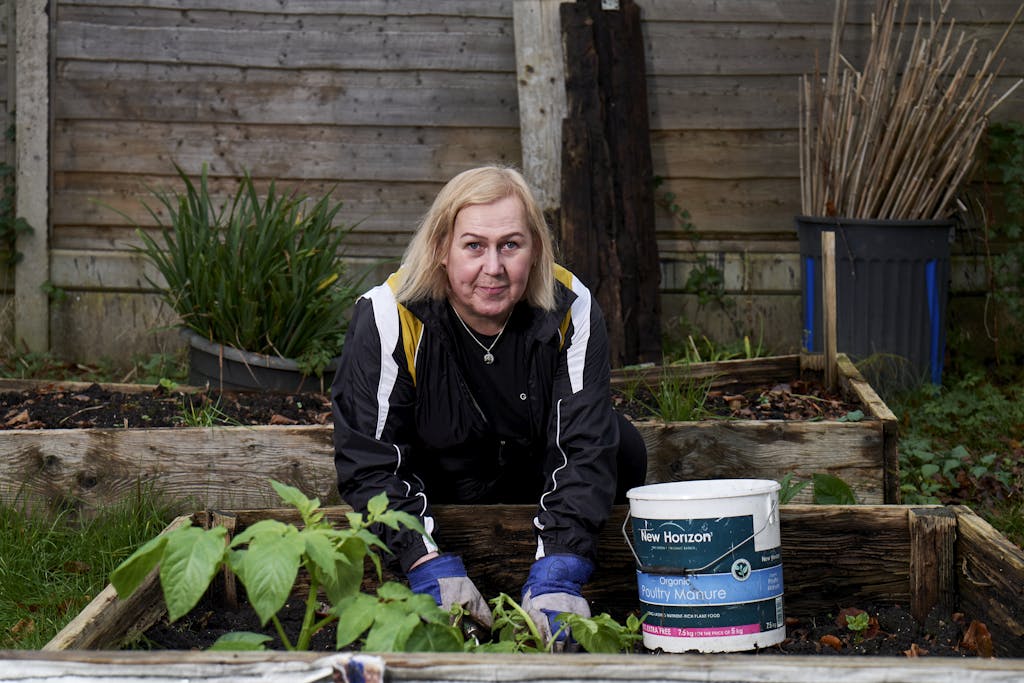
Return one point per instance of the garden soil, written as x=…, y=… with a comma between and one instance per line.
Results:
x=99, y=407
x=892, y=631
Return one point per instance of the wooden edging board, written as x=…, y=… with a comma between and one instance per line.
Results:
x=230, y=467
x=308, y=667
x=833, y=557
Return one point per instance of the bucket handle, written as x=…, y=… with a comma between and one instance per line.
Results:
x=771, y=512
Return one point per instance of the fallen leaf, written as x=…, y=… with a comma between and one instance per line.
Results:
x=277, y=419
x=24, y=626
x=20, y=418
x=77, y=567
x=832, y=642
x=915, y=651
x=978, y=639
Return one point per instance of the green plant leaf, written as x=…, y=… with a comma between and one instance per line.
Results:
x=297, y=499
x=433, y=637
x=356, y=614
x=191, y=558
x=268, y=570
x=831, y=490
x=377, y=505
x=127, y=577
x=852, y=416
x=391, y=628
x=241, y=641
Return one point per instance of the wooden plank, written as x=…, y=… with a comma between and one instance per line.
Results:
x=316, y=667
x=813, y=11
x=932, y=561
x=194, y=468
x=757, y=102
x=475, y=8
x=282, y=152
x=422, y=42
x=32, y=176
x=782, y=48
x=239, y=95
x=768, y=449
x=540, y=73
x=989, y=581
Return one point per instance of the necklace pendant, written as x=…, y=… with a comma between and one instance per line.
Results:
x=488, y=358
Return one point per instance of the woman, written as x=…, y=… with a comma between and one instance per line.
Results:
x=479, y=373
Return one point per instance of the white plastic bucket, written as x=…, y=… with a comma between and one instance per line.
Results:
x=709, y=564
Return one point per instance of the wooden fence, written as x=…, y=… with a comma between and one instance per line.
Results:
x=385, y=100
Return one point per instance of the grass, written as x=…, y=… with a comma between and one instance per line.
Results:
x=143, y=369
x=52, y=566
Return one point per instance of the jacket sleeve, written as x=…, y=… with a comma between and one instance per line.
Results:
x=583, y=438
x=372, y=400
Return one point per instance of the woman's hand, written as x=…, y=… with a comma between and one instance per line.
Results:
x=443, y=577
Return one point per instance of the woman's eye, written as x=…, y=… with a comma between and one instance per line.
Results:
x=511, y=244
x=472, y=246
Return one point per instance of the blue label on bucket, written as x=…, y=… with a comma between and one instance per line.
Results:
x=694, y=543
x=710, y=589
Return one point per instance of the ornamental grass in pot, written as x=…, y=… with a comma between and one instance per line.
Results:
x=884, y=151
x=259, y=282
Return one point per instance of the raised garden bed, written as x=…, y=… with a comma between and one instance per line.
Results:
x=861, y=453
x=228, y=466
x=946, y=558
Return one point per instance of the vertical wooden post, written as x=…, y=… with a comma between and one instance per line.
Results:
x=608, y=234
x=828, y=306
x=932, y=560
x=32, y=174
x=540, y=73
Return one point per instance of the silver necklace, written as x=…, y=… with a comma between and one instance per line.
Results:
x=488, y=356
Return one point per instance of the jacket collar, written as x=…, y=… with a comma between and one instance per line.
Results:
x=544, y=324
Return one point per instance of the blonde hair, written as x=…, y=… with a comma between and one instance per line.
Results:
x=422, y=275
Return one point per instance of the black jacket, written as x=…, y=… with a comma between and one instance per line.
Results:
x=405, y=421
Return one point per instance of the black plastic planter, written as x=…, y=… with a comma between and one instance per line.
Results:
x=892, y=281
x=226, y=368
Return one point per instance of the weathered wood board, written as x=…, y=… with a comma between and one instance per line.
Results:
x=833, y=557
x=230, y=467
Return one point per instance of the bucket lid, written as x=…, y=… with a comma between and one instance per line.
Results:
x=703, y=489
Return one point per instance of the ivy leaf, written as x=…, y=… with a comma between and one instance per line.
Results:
x=852, y=416
x=191, y=557
x=241, y=641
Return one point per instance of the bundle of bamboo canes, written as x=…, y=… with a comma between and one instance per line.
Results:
x=896, y=139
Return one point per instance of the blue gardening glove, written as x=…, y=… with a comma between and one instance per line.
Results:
x=444, y=579
x=555, y=585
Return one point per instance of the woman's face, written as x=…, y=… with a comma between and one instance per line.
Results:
x=488, y=262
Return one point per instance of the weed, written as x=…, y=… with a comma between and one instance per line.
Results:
x=680, y=400
x=203, y=413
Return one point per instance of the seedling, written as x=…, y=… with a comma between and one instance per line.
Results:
x=858, y=624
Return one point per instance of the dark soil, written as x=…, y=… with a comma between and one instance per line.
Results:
x=97, y=406
x=892, y=631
